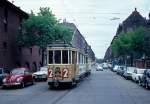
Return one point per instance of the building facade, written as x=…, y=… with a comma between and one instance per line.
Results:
x=132, y=22
x=79, y=42
x=12, y=55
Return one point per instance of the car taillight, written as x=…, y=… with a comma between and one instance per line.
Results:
x=50, y=73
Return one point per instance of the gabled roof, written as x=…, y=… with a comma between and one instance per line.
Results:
x=134, y=18
x=13, y=7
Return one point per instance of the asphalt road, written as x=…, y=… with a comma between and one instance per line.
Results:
x=100, y=88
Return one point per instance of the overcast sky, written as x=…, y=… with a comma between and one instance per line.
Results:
x=94, y=18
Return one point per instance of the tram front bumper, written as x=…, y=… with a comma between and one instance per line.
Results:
x=50, y=82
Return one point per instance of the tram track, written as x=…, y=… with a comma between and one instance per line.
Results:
x=58, y=99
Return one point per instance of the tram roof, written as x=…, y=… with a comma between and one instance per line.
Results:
x=60, y=43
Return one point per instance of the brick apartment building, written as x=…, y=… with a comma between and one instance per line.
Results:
x=11, y=55
x=79, y=42
x=133, y=21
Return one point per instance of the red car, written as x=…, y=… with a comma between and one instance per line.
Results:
x=18, y=77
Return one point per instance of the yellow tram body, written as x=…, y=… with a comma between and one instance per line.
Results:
x=66, y=65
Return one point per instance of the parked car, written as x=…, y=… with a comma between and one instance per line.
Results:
x=41, y=75
x=121, y=70
x=137, y=74
x=115, y=68
x=18, y=77
x=105, y=65
x=128, y=73
x=3, y=74
x=145, y=79
x=147, y=82
x=110, y=66
x=99, y=68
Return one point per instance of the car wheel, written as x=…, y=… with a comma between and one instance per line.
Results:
x=136, y=80
x=22, y=85
x=32, y=82
x=4, y=87
x=146, y=85
x=139, y=82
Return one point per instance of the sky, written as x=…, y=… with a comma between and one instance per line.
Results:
x=97, y=20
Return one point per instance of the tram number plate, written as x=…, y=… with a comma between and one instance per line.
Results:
x=50, y=73
x=65, y=73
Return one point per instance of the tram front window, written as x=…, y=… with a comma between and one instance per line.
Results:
x=50, y=57
x=65, y=56
x=57, y=57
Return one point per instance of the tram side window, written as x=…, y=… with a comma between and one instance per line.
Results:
x=79, y=58
x=50, y=57
x=57, y=57
x=65, y=56
x=86, y=60
x=69, y=56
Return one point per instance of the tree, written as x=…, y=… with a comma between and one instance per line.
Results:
x=130, y=44
x=138, y=42
x=41, y=30
x=63, y=33
x=122, y=45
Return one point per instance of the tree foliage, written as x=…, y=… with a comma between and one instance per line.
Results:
x=130, y=43
x=42, y=29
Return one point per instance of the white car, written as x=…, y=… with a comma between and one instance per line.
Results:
x=105, y=65
x=128, y=73
x=42, y=74
x=137, y=74
x=116, y=67
x=99, y=68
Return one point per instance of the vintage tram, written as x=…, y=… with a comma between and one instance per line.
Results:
x=66, y=64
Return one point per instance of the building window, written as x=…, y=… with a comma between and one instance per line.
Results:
x=5, y=45
x=5, y=19
x=20, y=24
x=31, y=51
x=20, y=49
x=18, y=64
x=34, y=67
x=27, y=64
x=39, y=52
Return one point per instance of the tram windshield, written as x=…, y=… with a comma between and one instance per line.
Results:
x=59, y=57
x=65, y=57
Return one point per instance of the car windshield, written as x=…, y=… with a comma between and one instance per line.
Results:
x=116, y=67
x=140, y=71
x=43, y=69
x=131, y=69
x=17, y=71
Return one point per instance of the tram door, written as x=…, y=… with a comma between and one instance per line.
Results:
x=74, y=60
